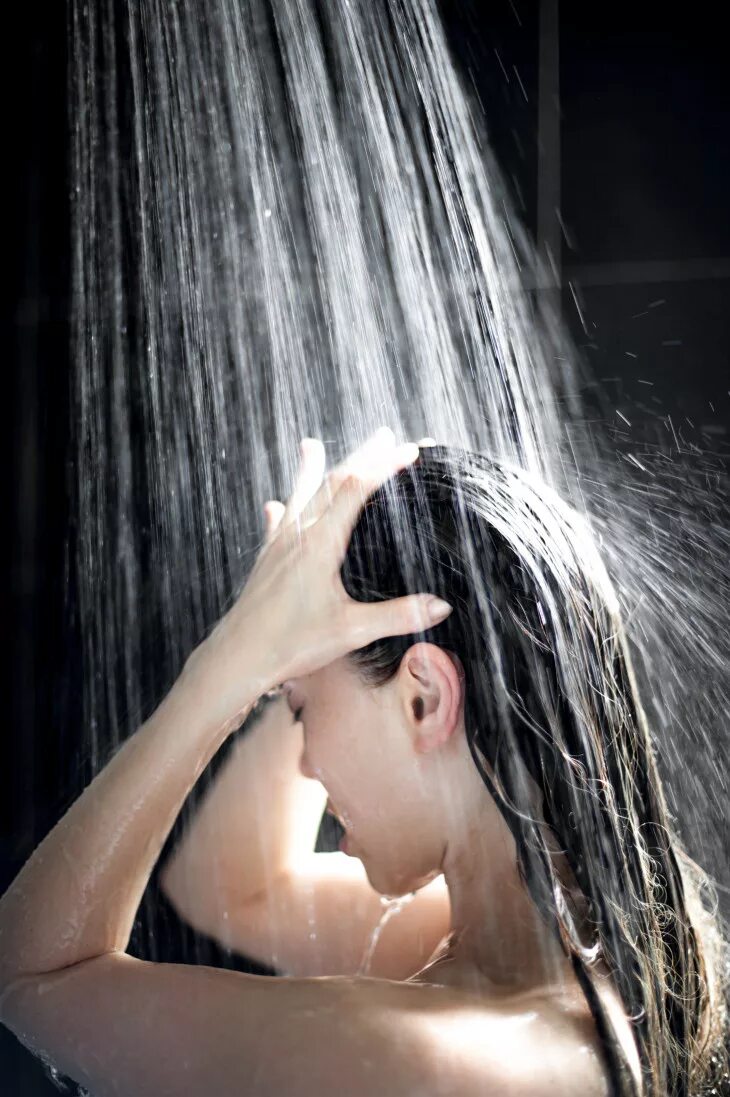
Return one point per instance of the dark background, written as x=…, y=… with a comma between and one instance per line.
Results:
x=619, y=116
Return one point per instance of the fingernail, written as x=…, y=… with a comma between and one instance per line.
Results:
x=437, y=607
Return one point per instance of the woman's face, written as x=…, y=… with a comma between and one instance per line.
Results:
x=365, y=745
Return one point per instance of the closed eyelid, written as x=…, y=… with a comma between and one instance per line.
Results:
x=291, y=700
x=294, y=707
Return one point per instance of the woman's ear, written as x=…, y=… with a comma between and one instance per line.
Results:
x=432, y=683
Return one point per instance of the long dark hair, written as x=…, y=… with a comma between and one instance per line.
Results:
x=551, y=696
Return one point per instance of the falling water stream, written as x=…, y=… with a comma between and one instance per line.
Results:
x=280, y=230
x=392, y=907
x=287, y=221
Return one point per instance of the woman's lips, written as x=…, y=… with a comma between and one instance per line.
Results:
x=331, y=811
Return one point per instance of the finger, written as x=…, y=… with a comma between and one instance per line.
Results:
x=382, y=441
x=397, y=617
x=355, y=490
x=308, y=480
x=273, y=514
x=358, y=462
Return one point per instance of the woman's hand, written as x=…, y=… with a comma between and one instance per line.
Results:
x=294, y=615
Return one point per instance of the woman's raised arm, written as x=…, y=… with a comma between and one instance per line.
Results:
x=77, y=895
x=258, y=820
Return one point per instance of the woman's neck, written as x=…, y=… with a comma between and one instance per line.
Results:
x=499, y=939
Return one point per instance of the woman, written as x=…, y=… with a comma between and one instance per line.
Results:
x=505, y=748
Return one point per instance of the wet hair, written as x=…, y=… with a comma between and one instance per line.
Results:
x=551, y=702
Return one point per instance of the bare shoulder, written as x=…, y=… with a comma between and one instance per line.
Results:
x=457, y=1041
x=123, y=1026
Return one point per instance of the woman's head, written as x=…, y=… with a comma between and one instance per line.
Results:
x=534, y=670
x=396, y=764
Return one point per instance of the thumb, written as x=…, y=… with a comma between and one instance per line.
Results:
x=400, y=616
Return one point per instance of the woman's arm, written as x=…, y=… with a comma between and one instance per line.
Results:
x=117, y=1024
x=258, y=819
x=77, y=895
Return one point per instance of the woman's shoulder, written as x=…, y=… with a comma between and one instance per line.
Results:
x=538, y=1043
x=561, y=1011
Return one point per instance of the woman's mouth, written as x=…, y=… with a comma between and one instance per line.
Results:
x=344, y=843
x=331, y=811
